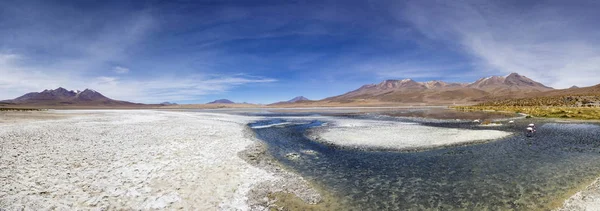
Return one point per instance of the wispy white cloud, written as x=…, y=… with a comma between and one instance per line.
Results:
x=552, y=42
x=78, y=57
x=186, y=88
x=417, y=70
x=18, y=79
x=120, y=70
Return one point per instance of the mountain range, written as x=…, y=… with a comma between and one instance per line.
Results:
x=222, y=101
x=64, y=97
x=168, y=103
x=388, y=92
x=591, y=90
x=440, y=92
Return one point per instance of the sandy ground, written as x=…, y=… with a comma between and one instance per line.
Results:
x=131, y=159
x=356, y=133
x=27, y=116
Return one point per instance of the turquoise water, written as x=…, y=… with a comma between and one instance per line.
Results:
x=514, y=173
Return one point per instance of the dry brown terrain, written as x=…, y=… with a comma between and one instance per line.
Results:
x=389, y=93
x=26, y=116
x=577, y=103
x=408, y=91
x=211, y=106
x=360, y=103
x=384, y=95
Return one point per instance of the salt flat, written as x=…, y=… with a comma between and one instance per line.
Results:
x=132, y=159
x=399, y=135
x=142, y=159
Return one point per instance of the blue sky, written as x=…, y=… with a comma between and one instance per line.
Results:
x=268, y=51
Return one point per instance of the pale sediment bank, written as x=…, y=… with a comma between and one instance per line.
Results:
x=357, y=133
x=133, y=159
x=587, y=199
x=267, y=194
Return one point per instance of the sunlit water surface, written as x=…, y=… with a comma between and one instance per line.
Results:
x=514, y=173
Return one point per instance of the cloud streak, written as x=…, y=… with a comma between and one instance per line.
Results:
x=19, y=80
x=552, y=41
x=188, y=88
x=120, y=70
x=77, y=55
x=174, y=51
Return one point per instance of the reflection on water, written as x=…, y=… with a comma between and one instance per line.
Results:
x=516, y=173
x=448, y=114
x=409, y=112
x=440, y=114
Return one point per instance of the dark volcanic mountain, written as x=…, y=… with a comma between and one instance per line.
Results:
x=297, y=99
x=410, y=91
x=511, y=84
x=293, y=100
x=167, y=103
x=222, y=101
x=62, y=96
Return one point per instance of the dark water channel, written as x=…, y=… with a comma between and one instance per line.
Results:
x=514, y=173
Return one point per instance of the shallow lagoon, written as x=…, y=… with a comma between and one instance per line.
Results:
x=514, y=173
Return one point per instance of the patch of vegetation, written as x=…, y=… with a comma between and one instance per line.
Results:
x=554, y=101
x=571, y=106
x=542, y=111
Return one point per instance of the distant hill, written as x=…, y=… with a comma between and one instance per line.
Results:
x=167, y=103
x=591, y=90
x=293, y=100
x=64, y=97
x=222, y=101
x=297, y=99
x=440, y=92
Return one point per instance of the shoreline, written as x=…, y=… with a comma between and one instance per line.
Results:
x=282, y=189
x=551, y=112
x=288, y=184
x=587, y=198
